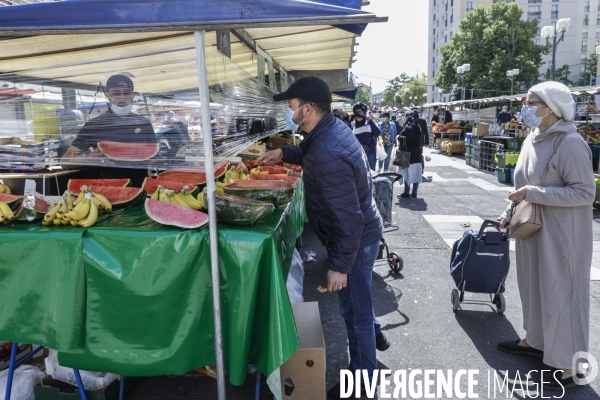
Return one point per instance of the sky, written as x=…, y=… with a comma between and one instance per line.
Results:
x=387, y=49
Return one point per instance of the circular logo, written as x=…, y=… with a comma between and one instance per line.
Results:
x=586, y=366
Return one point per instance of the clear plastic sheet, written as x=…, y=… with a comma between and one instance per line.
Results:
x=132, y=106
x=91, y=380
x=24, y=379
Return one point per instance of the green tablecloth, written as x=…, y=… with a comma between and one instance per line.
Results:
x=133, y=297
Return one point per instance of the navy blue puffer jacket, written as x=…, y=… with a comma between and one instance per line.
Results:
x=339, y=198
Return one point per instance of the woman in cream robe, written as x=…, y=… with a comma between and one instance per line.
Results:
x=553, y=265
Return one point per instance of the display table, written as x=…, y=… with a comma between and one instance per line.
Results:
x=133, y=297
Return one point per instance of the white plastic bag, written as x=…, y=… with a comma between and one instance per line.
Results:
x=91, y=380
x=295, y=280
x=24, y=379
x=380, y=153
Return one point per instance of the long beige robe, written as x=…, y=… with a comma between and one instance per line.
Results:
x=553, y=266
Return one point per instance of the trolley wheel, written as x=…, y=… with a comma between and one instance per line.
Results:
x=395, y=261
x=500, y=303
x=455, y=299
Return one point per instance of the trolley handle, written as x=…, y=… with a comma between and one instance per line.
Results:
x=488, y=223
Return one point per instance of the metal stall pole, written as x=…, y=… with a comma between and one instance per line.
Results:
x=11, y=371
x=212, y=213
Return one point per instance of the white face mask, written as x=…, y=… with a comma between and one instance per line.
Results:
x=121, y=111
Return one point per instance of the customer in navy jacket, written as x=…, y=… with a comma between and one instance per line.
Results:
x=341, y=210
x=366, y=131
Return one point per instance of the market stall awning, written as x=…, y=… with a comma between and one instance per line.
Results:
x=98, y=16
x=575, y=91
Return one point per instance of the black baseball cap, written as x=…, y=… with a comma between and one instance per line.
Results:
x=307, y=89
x=116, y=81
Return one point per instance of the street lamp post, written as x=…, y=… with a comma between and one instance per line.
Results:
x=462, y=71
x=562, y=25
x=511, y=75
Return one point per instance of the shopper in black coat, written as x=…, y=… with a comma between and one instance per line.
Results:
x=413, y=138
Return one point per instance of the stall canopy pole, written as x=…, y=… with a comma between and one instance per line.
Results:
x=212, y=213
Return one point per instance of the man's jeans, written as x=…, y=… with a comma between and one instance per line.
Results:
x=356, y=306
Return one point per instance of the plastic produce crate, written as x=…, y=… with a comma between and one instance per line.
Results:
x=507, y=159
x=503, y=175
x=515, y=144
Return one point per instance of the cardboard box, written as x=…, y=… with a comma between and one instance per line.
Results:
x=482, y=129
x=303, y=375
x=49, y=389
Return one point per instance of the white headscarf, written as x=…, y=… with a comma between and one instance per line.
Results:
x=558, y=97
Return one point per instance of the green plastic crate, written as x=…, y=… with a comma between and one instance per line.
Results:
x=515, y=144
x=503, y=175
x=507, y=159
x=595, y=150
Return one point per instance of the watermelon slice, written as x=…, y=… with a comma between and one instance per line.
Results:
x=269, y=177
x=151, y=184
x=120, y=196
x=74, y=185
x=129, y=151
x=173, y=214
x=189, y=177
x=278, y=193
x=12, y=200
x=237, y=210
x=33, y=208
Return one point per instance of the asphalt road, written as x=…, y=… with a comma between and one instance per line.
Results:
x=414, y=306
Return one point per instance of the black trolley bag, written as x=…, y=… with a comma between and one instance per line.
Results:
x=480, y=263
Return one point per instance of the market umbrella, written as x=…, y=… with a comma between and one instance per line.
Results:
x=112, y=16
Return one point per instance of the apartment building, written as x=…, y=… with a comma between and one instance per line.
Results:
x=579, y=43
x=444, y=19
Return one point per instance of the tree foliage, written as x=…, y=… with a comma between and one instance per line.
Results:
x=493, y=41
x=589, y=72
x=394, y=94
x=363, y=96
x=561, y=75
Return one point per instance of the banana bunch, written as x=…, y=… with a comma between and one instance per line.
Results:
x=183, y=198
x=81, y=212
x=6, y=214
x=4, y=188
x=232, y=174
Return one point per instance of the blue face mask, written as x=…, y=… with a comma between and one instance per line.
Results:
x=530, y=118
x=289, y=118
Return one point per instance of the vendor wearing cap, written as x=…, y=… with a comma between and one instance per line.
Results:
x=118, y=124
x=341, y=210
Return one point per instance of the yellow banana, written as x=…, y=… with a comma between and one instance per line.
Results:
x=181, y=201
x=170, y=198
x=47, y=222
x=84, y=210
x=242, y=175
x=1, y=188
x=220, y=190
x=58, y=221
x=92, y=216
x=66, y=222
x=221, y=184
x=7, y=190
x=69, y=197
x=62, y=210
x=52, y=213
x=81, y=196
x=97, y=203
x=104, y=201
x=155, y=194
x=78, y=209
x=190, y=200
x=2, y=218
x=6, y=211
x=74, y=223
x=162, y=193
x=200, y=198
